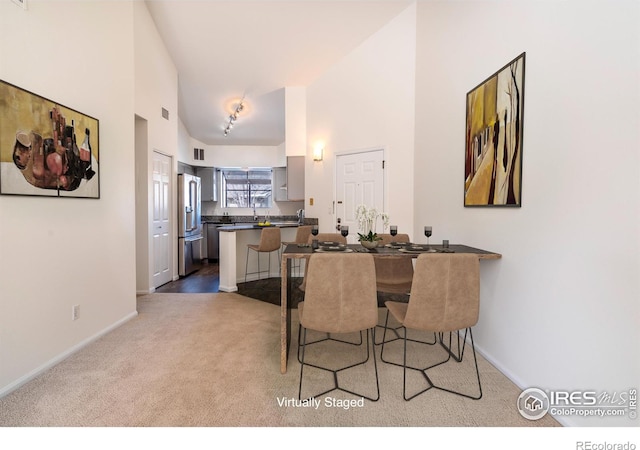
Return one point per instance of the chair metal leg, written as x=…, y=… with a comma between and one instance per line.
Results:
x=328, y=338
x=370, y=352
x=259, y=272
x=246, y=265
x=404, y=336
x=458, y=357
x=428, y=379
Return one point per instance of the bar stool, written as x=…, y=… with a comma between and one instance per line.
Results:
x=269, y=242
x=302, y=235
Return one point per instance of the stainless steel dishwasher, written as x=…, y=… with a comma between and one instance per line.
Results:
x=213, y=242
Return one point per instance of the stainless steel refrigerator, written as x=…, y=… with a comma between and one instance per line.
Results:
x=190, y=236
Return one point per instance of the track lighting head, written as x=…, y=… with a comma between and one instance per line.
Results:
x=234, y=116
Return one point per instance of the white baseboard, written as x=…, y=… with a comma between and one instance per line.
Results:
x=222, y=288
x=62, y=356
x=145, y=292
x=516, y=380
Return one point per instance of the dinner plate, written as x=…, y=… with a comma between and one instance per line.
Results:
x=417, y=249
x=329, y=243
x=397, y=244
x=333, y=249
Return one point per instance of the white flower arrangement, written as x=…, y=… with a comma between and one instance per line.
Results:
x=367, y=222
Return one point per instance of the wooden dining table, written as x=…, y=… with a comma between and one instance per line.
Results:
x=303, y=251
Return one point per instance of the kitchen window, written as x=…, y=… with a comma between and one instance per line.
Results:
x=247, y=188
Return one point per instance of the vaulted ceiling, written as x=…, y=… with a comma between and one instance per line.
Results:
x=227, y=50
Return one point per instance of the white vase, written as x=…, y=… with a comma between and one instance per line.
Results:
x=369, y=244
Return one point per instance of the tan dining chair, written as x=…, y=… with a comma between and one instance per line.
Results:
x=269, y=242
x=445, y=298
x=321, y=237
x=340, y=298
x=328, y=237
x=394, y=275
x=386, y=238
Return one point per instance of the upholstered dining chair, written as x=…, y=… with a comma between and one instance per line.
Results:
x=321, y=237
x=394, y=275
x=445, y=298
x=328, y=237
x=386, y=238
x=269, y=242
x=340, y=298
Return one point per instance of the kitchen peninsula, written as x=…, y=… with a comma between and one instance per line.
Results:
x=233, y=240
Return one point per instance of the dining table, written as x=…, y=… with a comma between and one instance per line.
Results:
x=305, y=251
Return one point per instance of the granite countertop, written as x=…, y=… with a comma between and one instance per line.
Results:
x=254, y=225
x=233, y=223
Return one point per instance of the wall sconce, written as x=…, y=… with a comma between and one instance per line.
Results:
x=318, y=151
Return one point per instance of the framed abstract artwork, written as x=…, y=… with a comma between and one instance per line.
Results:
x=493, y=141
x=46, y=149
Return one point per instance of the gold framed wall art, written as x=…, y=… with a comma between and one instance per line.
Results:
x=493, y=150
x=46, y=149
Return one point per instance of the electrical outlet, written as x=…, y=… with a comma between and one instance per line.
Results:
x=75, y=312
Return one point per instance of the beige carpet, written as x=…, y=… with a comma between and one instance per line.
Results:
x=209, y=360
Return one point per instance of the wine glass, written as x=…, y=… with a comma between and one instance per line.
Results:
x=393, y=229
x=344, y=230
x=314, y=230
x=427, y=233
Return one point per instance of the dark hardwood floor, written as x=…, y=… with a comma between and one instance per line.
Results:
x=207, y=279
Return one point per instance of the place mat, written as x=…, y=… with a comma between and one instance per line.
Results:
x=418, y=249
x=398, y=244
x=334, y=250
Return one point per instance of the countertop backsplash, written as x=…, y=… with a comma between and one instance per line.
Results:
x=278, y=209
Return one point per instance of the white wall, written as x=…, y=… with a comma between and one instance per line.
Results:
x=295, y=107
x=560, y=309
x=156, y=87
x=56, y=253
x=366, y=101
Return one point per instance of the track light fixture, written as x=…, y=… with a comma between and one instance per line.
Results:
x=234, y=116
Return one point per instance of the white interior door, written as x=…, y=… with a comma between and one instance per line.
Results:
x=161, y=219
x=359, y=180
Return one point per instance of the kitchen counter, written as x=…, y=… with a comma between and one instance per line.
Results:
x=253, y=226
x=234, y=239
x=215, y=227
x=248, y=220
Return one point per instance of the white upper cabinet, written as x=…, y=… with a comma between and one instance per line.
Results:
x=280, y=184
x=209, y=183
